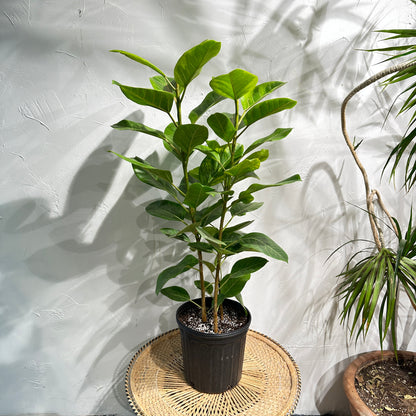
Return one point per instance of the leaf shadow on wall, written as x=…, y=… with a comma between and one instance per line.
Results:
x=292, y=45
x=94, y=266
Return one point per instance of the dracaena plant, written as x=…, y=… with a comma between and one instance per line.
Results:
x=370, y=285
x=202, y=200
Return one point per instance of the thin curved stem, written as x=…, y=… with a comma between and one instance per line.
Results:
x=368, y=192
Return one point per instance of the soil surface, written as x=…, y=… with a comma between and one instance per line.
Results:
x=388, y=387
x=231, y=320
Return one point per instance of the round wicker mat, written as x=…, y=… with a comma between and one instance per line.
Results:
x=155, y=385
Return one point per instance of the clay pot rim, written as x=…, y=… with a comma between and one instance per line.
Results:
x=362, y=361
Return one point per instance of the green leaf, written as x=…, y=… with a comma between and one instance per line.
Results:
x=184, y=265
x=160, y=83
x=210, y=266
x=237, y=227
x=209, y=237
x=267, y=108
x=167, y=210
x=245, y=195
x=135, y=126
x=209, y=287
x=209, y=170
x=197, y=194
x=222, y=126
x=148, y=174
x=261, y=155
x=140, y=163
x=234, y=84
x=191, y=62
x=247, y=265
x=211, y=99
x=244, y=167
x=201, y=246
x=234, y=285
x=241, y=208
x=210, y=213
x=278, y=134
x=140, y=60
x=259, y=93
x=262, y=244
x=144, y=96
x=188, y=136
x=172, y=233
x=176, y=293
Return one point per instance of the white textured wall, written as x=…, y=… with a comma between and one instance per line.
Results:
x=78, y=255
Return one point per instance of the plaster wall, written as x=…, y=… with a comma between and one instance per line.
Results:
x=78, y=254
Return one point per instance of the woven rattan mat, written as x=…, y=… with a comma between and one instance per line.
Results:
x=155, y=385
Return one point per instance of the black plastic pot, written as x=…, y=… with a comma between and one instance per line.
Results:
x=213, y=362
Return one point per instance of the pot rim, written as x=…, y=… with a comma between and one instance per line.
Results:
x=362, y=361
x=225, y=335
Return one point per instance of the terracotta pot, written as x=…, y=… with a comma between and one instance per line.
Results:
x=213, y=363
x=357, y=406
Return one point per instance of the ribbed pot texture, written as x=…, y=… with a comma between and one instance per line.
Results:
x=357, y=406
x=213, y=363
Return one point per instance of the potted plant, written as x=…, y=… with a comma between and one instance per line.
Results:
x=205, y=198
x=373, y=278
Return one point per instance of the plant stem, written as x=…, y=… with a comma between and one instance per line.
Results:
x=377, y=236
x=218, y=265
x=202, y=282
x=226, y=187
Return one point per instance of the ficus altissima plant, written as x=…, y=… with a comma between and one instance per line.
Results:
x=203, y=201
x=372, y=278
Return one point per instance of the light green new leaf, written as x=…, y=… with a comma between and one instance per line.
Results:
x=244, y=167
x=161, y=100
x=197, y=194
x=262, y=244
x=140, y=61
x=209, y=101
x=222, y=126
x=259, y=93
x=241, y=208
x=135, y=126
x=212, y=153
x=188, y=136
x=261, y=155
x=244, y=195
x=267, y=108
x=191, y=62
x=278, y=134
x=234, y=84
x=176, y=293
x=167, y=210
x=184, y=265
x=160, y=83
